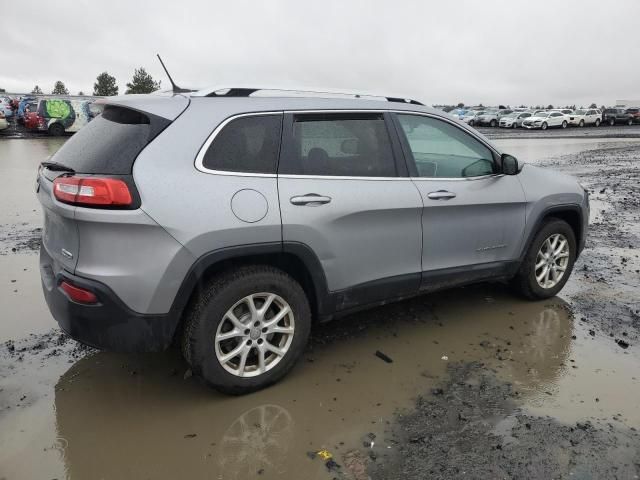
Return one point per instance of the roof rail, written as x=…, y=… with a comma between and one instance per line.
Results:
x=266, y=92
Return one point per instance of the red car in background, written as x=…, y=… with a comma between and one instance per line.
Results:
x=635, y=113
x=32, y=120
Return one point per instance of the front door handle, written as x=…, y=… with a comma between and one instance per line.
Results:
x=310, y=199
x=441, y=195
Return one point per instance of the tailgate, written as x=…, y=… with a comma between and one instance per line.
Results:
x=60, y=232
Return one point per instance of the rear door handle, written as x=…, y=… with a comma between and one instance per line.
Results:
x=441, y=195
x=310, y=199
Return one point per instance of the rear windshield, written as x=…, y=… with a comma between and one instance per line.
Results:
x=110, y=143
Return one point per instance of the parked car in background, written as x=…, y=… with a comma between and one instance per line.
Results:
x=546, y=120
x=514, y=119
x=565, y=111
x=471, y=117
x=635, y=114
x=492, y=117
x=61, y=115
x=21, y=106
x=582, y=117
x=32, y=120
x=6, y=106
x=612, y=116
x=3, y=122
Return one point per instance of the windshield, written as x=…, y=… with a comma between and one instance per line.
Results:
x=511, y=115
x=580, y=112
x=542, y=114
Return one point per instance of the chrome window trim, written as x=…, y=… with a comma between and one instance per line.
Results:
x=199, y=162
x=205, y=146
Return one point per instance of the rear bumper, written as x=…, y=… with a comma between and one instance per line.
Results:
x=107, y=325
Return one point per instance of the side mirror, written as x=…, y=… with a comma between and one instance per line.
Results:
x=509, y=164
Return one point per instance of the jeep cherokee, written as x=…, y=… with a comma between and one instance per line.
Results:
x=229, y=220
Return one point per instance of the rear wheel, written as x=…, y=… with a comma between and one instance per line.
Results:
x=581, y=124
x=548, y=262
x=471, y=123
x=597, y=122
x=564, y=124
x=630, y=121
x=56, y=130
x=612, y=121
x=493, y=123
x=247, y=330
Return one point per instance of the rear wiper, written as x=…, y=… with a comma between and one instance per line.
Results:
x=58, y=167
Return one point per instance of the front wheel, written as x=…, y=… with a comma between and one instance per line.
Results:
x=564, y=124
x=493, y=123
x=544, y=126
x=612, y=122
x=597, y=122
x=630, y=122
x=548, y=262
x=515, y=125
x=471, y=123
x=247, y=330
x=581, y=124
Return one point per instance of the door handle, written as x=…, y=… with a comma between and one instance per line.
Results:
x=441, y=195
x=310, y=199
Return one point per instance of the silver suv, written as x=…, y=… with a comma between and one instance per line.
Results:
x=229, y=221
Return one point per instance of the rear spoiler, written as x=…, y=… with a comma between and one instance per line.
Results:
x=161, y=105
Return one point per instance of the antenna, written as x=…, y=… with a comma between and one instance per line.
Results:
x=176, y=89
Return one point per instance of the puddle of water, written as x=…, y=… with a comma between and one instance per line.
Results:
x=132, y=416
x=534, y=150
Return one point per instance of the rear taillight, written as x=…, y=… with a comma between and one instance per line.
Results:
x=92, y=191
x=77, y=294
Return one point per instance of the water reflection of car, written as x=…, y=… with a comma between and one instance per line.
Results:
x=583, y=117
x=546, y=120
x=514, y=119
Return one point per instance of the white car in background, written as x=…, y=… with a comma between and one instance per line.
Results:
x=514, y=120
x=582, y=117
x=544, y=120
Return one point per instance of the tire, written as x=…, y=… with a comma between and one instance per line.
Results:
x=207, y=317
x=630, y=122
x=564, y=124
x=544, y=126
x=515, y=125
x=56, y=130
x=612, y=122
x=581, y=124
x=493, y=123
x=471, y=123
x=525, y=281
x=597, y=122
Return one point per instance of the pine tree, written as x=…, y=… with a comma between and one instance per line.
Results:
x=105, y=85
x=142, y=82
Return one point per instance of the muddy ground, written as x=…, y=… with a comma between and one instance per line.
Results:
x=489, y=387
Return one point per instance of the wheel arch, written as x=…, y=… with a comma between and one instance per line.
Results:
x=570, y=213
x=296, y=259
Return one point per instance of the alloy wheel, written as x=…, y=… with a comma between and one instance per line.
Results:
x=552, y=260
x=255, y=334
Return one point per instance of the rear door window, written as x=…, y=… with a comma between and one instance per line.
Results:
x=246, y=145
x=340, y=144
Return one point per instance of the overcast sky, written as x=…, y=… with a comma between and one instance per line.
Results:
x=489, y=51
